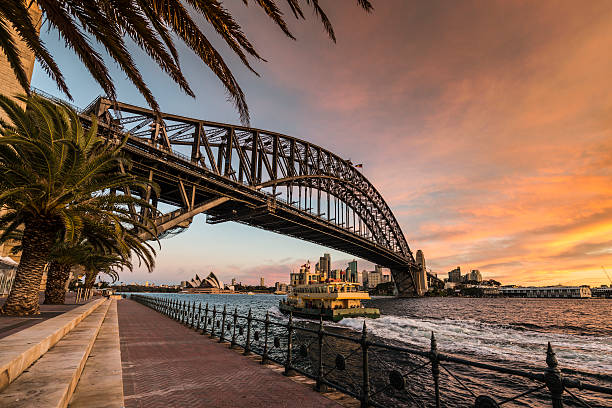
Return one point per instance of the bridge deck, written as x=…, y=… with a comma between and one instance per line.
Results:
x=166, y=364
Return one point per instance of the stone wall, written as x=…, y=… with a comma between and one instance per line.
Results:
x=8, y=82
x=10, y=86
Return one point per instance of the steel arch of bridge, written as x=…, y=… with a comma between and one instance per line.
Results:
x=259, y=178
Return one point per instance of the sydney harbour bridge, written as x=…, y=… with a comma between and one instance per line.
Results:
x=259, y=178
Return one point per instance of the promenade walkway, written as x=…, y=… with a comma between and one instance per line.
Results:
x=166, y=364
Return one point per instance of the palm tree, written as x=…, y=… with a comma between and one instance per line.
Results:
x=55, y=178
x=103, y=242
x=150, y=24
x=108, y=264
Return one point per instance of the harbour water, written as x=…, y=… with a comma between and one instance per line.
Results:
x=503, y=331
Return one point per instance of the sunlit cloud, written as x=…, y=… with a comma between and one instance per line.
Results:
x=486, y=127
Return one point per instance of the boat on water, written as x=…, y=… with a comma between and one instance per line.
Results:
x=329, y=300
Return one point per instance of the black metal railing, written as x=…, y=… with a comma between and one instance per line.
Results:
x=379, y=375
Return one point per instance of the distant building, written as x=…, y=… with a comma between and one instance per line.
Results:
x=374, y=278
x=233, y=281
x=281, y=287
x=261, y=282
x=547, y=292
x=475, y=275
x=455, y=275
x=351, y=272
x=183, y=284
x=336, y=274
x=603, y=291
x=325, y=265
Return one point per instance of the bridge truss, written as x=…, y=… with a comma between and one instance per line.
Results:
x=259, y=178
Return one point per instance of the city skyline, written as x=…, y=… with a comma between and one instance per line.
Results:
x=493, y=139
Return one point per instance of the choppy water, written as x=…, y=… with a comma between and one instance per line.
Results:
x=512, y=332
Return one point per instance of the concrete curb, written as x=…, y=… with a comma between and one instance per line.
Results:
x=20, y=350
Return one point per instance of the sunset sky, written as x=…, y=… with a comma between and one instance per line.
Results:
x=486, y=126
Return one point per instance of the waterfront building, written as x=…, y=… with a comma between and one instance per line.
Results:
x=547, y=292
x=281, y=287
x=261, y=282
x=210, y=284
x=455, y=275
x=374, y=278
x=602, y=292
x=233, y=281
x=183, y=284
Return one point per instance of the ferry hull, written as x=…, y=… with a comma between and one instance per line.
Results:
x=334, y=315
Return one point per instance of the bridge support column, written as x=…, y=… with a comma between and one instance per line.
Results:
x=404, y=282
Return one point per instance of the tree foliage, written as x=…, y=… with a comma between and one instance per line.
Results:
x=55, y=183
x=151, y=24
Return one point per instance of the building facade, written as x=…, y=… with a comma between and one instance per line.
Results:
x=547, y=292
x=455, y=275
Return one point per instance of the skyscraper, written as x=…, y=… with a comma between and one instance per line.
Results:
x=455, y=275
x=351, y=271
x=325, y=265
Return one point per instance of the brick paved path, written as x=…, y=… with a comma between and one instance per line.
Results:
x=166, y=364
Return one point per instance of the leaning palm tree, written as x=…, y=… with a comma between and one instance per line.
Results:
x=102, y=242
x=108, y=264
x=54, y=175
x=151, y=24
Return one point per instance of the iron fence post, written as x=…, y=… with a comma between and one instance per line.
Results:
x=183, y=313
x=222, y=338
x=288, y=370
x=264, y=356
x=247, y=346
x=365, y=392
x=320, y=386
x=233, y=343
x=435, y=368
x=192, y=314
x=205, y=319
x=199, y=316
x=553, y=379
x=214, y=322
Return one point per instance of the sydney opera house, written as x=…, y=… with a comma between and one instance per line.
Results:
x=210, y=284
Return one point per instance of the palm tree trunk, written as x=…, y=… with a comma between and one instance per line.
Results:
x=90, y=279
x=38, y=238
x=57, y=275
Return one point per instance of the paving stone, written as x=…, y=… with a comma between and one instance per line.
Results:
x=166, y=364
